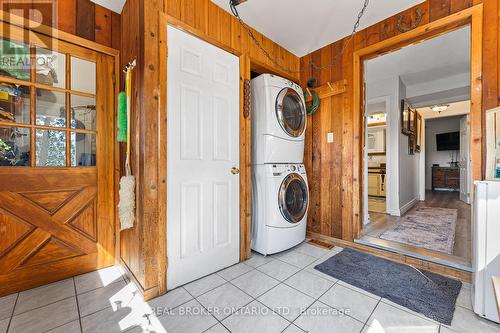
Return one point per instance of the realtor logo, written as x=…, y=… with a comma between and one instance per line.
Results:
x=15, y=56
x=37, y=11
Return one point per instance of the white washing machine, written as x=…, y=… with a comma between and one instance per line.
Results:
x=280, y=198
x=278, y=120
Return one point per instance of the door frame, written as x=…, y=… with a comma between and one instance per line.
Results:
x=245, y=145
x=472, y=16
x=390, y=166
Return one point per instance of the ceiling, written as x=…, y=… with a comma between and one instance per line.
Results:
x=434, y=59
x=114, y=5
x=454, y=109
x=302, y=26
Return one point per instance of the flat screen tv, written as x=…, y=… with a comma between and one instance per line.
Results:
x=448, y=141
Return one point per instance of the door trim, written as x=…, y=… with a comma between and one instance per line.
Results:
x=245, y=147
x=472, y=16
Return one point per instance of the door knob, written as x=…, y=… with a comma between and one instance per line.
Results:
x=235, y=170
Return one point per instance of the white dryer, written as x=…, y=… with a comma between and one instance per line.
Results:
x=278, y=120
x=280, y=199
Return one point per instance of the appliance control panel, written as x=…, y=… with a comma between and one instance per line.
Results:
x=289, y=83
x=279, y=169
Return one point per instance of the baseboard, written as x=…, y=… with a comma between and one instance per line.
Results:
x=394, y=212
x=147, y=294
x=407, y=207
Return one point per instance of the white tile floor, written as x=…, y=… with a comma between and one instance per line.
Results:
x=281, y=293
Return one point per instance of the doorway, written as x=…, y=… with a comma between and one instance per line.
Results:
x=203, y=153
x=421, y=208
x=56, y=159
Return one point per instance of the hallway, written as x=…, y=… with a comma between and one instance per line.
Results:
x=461, y=254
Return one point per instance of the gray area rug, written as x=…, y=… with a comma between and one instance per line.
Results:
x=424, y=292
x=432, y=228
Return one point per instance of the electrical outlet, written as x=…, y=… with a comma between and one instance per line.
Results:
x=329, y=137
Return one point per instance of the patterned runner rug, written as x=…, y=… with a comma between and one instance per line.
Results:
x=432, y=228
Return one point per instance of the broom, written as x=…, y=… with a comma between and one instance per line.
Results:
x=127, y=182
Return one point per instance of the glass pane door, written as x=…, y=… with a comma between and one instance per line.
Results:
x=48, y=114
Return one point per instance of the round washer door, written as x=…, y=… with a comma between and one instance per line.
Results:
x=291, y=112
x=293, y=198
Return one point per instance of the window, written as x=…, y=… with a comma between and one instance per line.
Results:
x=48, y=114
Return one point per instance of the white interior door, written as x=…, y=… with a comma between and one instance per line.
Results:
x=464, y=159
x=202, y=149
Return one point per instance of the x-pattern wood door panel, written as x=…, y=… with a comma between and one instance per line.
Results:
x=62, y=220
x=40, y=227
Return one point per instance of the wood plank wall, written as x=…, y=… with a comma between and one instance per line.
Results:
x=329, y=166
x=141, y=247
x=216, y=23
x=78, y=17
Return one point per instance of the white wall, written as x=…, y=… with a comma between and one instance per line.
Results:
x=442, y=84
x=432, y=156
x=408, y=167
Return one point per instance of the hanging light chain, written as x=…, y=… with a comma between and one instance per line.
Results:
x=274, y=61
x=247, y=28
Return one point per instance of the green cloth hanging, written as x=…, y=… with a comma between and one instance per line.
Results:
x=314, y=106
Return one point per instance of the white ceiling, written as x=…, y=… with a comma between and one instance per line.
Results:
x=434, y=59
x=114, y=5
x=454, y=109
x=302, y=26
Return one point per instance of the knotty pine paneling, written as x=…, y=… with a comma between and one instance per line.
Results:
x=79, y=17
x=220, y=25
x=329, y=166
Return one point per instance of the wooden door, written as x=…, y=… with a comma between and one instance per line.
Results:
x=56, y=160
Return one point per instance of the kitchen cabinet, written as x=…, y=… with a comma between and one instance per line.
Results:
x=373, y=184
x=376, y=182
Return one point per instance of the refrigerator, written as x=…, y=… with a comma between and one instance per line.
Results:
x=485, y=247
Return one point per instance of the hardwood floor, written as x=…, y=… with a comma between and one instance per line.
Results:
x=462, y=247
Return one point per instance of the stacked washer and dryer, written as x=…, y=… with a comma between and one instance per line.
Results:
x=280, y=195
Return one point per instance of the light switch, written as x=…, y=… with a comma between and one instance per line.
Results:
x=329, y=137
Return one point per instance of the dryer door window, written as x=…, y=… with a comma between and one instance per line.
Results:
x=293, y=198
x=291, y=112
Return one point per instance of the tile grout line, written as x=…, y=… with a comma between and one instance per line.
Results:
x=94, y=289
x=42, y=306
x=195, y=299
x=283, y=282
x=317, y=300
x=279, y=282
x=217, y=319
x=62, y=299
x=12, y=313
x=78, y=306
x=371, y=314
x=256, y=298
